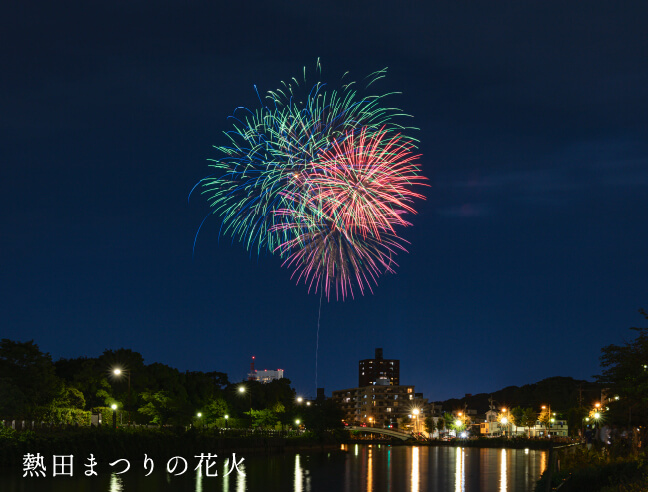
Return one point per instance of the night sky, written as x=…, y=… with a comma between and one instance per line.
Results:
x=528, y=256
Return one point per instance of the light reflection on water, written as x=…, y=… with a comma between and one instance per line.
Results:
x=301, y=481
x=415, y=469
x=503, y=475
x=369, y=468
x=240, y=478
x=116, y=484
x=460, y=472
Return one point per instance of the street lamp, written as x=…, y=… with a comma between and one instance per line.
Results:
x=118, y=372
x=199, y=415
x=504, y=421
x=299, y=399
x=114, y=409
x=226, y=417
x=547, y=417
x=242, y=390
x=416, y=412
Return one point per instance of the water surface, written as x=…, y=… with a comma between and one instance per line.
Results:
x=369, y=468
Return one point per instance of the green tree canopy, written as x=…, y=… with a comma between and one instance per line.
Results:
x=27, y=378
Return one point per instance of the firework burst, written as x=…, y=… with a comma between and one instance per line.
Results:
x=322, y=180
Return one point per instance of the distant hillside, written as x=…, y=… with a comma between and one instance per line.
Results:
x=561, y=393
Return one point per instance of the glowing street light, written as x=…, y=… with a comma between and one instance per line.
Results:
x=416, y=412
x=118, y=372
x=226, y=417
x=114, y=409
x=299, y=399
x=242, y=389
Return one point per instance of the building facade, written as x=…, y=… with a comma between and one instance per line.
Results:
x=371, y=370
x=379, y=405
x=266, y=375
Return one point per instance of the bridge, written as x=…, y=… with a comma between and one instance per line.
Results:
x=387, y=432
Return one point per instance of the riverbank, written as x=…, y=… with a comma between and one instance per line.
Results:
x=482, y=442
x=107, y=444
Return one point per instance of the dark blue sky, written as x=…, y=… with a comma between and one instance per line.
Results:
x=527, y=257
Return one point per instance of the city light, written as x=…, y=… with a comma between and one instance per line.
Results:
x=300, y=399
x=113, y=406
x=199, y=414
x=241, y=389
x=117, y=372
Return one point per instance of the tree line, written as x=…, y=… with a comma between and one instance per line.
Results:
x=68, y=391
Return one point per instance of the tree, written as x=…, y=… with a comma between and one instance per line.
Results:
x=69, y=397
x=575, y=418
x=430, y=425
x=321, y=417
x=213, y=410
x=88, y=376
x=264, y=419
x=159, y=407
x=441, y=425
x=545, y=418
x=524, y=417
x=625, y=376
x=27, y=380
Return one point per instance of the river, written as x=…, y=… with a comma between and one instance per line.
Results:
x=361, y=468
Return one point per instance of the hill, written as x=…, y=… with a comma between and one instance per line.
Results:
x=561, y=393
